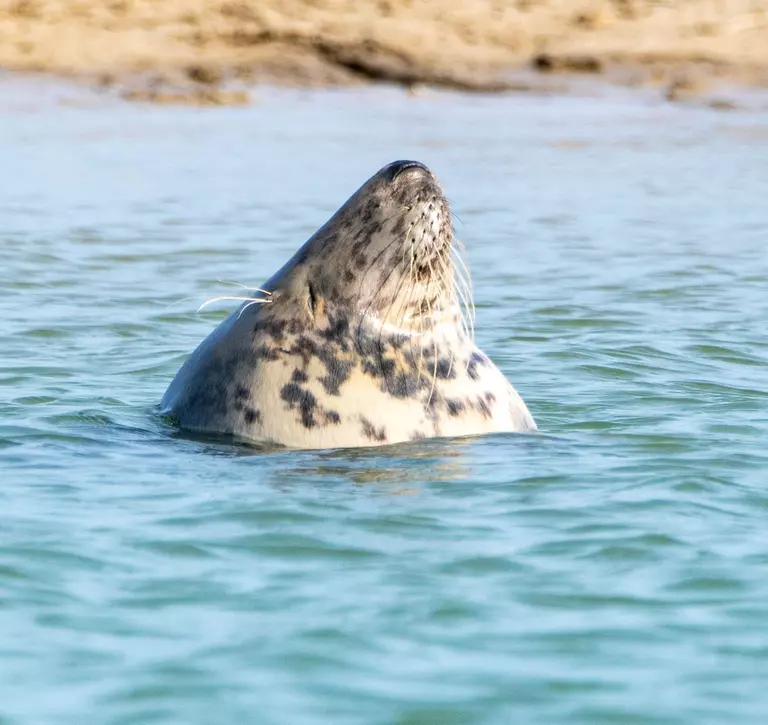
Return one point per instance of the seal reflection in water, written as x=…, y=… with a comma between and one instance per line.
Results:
x=363, y=338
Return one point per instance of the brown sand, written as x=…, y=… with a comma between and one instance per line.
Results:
x=197, y=50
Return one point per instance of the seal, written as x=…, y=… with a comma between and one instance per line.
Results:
x=364, y=337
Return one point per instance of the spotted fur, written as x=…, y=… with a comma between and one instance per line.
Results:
x=360, y=342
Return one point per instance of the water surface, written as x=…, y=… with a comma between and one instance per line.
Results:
x=612, y=568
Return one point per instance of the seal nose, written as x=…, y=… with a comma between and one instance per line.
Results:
x=396, y=168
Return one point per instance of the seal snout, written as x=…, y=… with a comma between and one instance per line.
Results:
x=396, y=168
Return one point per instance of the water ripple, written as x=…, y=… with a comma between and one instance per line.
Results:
x=608, y=569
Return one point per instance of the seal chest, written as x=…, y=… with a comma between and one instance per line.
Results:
x=364, y=337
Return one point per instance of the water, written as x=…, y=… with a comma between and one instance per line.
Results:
x=612, y=568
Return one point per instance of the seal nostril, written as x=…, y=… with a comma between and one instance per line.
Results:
x=396, y=168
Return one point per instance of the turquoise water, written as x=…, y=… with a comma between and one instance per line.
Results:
x=612, y=568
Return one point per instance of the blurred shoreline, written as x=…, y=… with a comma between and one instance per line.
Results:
x=213, y=52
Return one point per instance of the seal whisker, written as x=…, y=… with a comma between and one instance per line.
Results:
x=395, y=240
x=460, y=288
x=381, y=331
x=370, y=266
x=421, y=325
x=464, y=304
x=399, y=319
x=464, y=279
x=448, y=271
x=249, y=300
x=455, y=215
x=463, y=287
x=413, y=284
x=434, y=340
x=183, y=299
x=406, y=274
x=243, y=286
x=445, y=270
x=378, y=290
x=373, y=262
x=447, y=275
x=463, y=269
x=376, y=294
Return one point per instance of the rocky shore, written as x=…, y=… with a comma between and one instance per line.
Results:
x=215, y=51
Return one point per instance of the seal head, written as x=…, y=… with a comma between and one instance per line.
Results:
x=363, y=337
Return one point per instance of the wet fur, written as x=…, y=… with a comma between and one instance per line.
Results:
x=361, y=341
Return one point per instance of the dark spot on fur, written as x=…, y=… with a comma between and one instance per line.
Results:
x=242, y=393
x=397, y=341
x=295, y=326
x=361, y=260
x=398, y=230
x=482, y=406
x=252, y=415
x=368, y=212
x=264, y=352
x=474, y=360
x=417, y=359
x=291, y=394
x=337, y=330
x=274, y=328
x=337, y=298
x=446, y=370
x=455, y=407
x=338, y=372
x=211, y=398
x=402, y=385
x=371, y=432
x=332, y=417
x=432, y=401
x=362, y=243
x=296, y=397
x=299, y=376
x=307, y=407
x=306, y=347
x=368, y=346
x=387, y=367
x=349, y=276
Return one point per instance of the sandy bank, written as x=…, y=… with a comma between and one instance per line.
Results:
x=208, y=51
